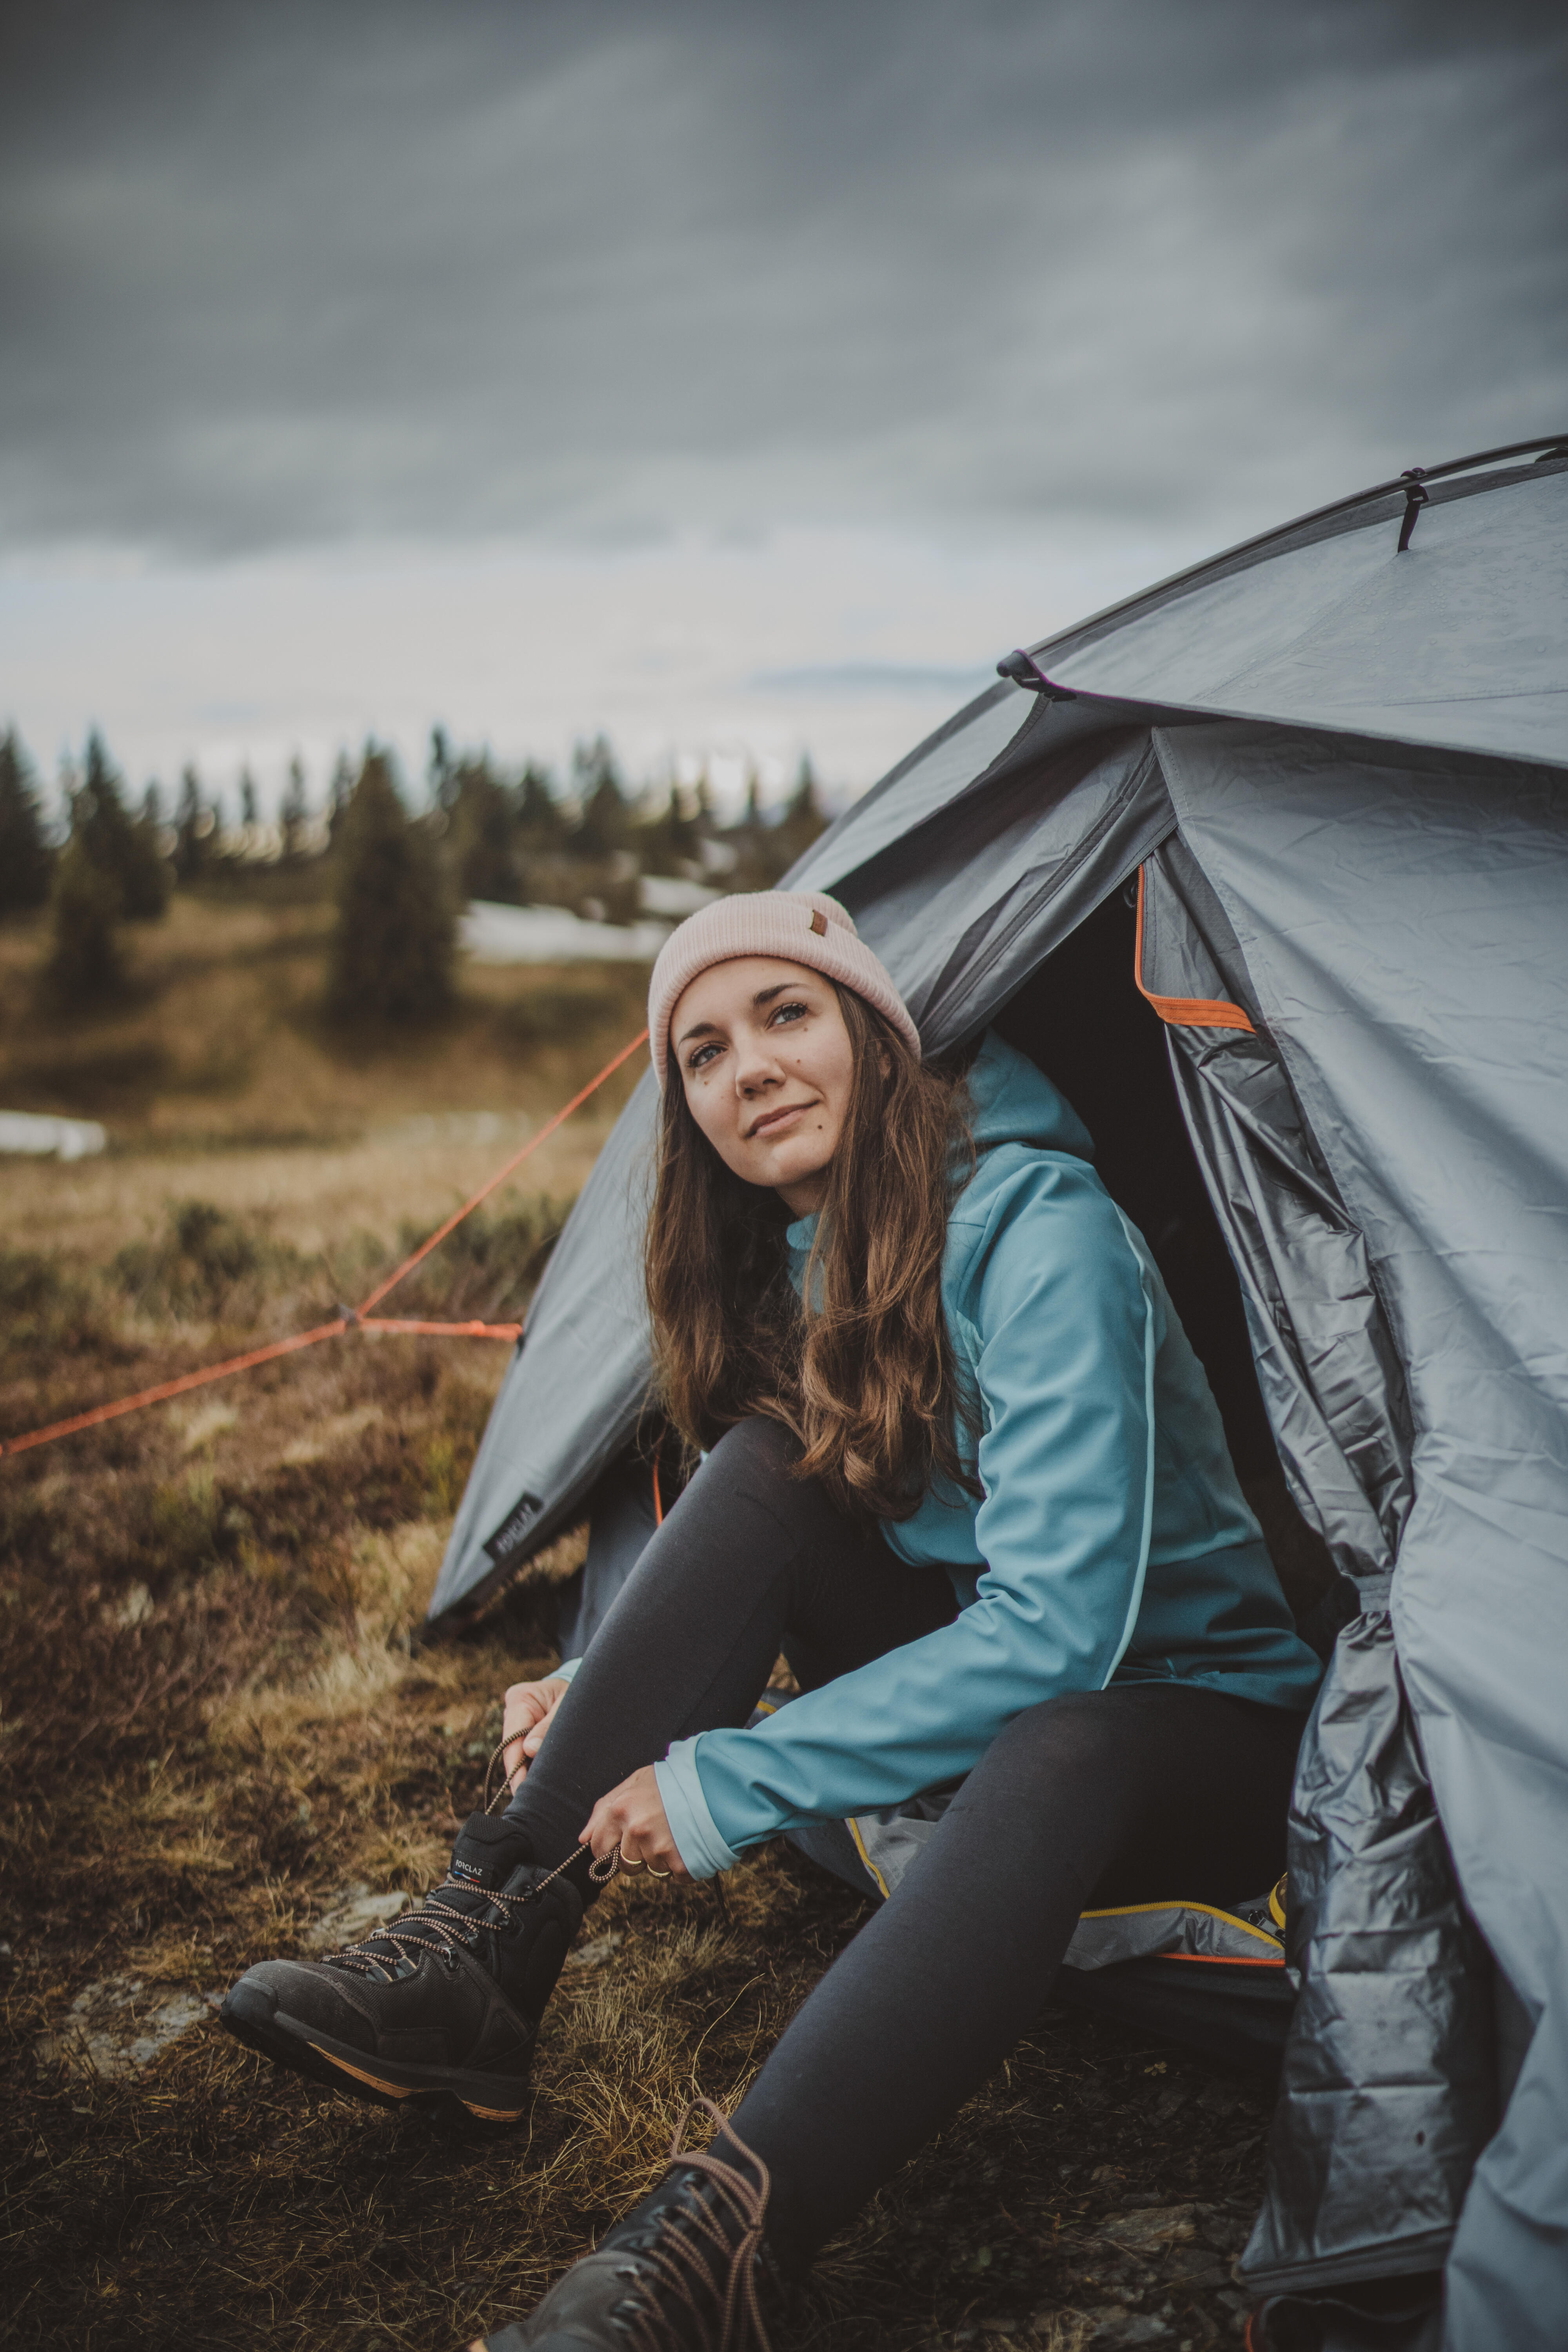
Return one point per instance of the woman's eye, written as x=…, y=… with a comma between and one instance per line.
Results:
x=790, y=1012
x=702, y=1057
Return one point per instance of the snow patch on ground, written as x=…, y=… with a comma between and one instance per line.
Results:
x=66, y=1138
x=492, y=933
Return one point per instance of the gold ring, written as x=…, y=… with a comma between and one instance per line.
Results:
x=627, y=1864
x=655, y=1873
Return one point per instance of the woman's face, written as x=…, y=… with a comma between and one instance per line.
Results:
x=767, y=1065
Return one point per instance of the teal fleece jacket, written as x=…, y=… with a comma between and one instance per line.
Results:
x=1112, y=1542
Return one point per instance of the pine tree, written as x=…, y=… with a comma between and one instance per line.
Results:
x=538, y=810
x=248, y=811
x=670, y=841
x=338, y=795
x=84, y=967
x=25, y=860
x=294, y=814
x=481, y=816
x=123, y=847
x=148, y=886
x=539, y=831
x=441, y=768
x=602, y=829
x=194, y=829
x=803, y=818
x=393, y=947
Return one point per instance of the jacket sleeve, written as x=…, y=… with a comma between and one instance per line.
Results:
x=1065, y=1322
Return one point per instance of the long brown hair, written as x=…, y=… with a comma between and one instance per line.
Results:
x=863, y=1373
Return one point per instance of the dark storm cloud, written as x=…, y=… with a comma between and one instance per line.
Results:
x=285, y=272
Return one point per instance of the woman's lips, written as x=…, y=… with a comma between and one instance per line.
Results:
x=771, y=1122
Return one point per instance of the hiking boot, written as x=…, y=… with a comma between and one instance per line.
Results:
x=442, y=2005
x=689, y=2270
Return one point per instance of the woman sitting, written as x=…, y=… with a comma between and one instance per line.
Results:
x=964, y=1468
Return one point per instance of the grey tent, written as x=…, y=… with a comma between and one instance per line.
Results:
x=1308, y=804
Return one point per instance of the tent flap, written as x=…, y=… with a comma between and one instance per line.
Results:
x=1389, y=2087
x=1330, y=1371
x=1387, y=2075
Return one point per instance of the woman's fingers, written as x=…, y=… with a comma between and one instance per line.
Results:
x=518, y=1716
x=604, y=1828
x=525, y=1719
x=631, y=1822
x=529, y=1719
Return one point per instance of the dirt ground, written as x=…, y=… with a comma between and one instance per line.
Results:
x=221, y=1734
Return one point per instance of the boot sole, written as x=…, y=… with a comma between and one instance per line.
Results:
x=383, y=2082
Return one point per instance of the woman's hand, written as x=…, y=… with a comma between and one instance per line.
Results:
x=631, y=1819
x=530, y=1707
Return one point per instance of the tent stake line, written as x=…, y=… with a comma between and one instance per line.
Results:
x=350, y=1317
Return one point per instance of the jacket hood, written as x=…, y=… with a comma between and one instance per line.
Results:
x=1013, y=1102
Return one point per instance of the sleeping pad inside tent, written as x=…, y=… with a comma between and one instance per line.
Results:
x=1266, y=869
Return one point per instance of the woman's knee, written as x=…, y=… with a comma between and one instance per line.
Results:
x=756, y=1462
x=1066, y=1736
x=746, y=1491
x=757, y=1446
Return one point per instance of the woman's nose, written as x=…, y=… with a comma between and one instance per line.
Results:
x=755, y=1067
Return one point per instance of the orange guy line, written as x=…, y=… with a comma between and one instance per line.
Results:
x=341, y=1323
x=456, y=1219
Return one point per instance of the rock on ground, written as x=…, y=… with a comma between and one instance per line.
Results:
x=351, y=1914
x=119, y=2026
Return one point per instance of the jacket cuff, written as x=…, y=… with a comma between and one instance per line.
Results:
x=691, y=1825
x=564, y=1672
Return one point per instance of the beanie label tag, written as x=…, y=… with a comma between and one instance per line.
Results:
x=818, y=923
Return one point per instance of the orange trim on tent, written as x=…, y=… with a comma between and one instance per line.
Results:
x=1185, y=1012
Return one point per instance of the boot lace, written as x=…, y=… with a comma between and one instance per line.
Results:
x=440, y=1927
x=705, y=2270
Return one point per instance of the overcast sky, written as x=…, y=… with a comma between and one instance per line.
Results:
x=738, y=377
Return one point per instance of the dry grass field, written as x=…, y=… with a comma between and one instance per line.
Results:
x=220, y=1729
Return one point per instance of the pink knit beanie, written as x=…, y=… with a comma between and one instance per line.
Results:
x=802, y=925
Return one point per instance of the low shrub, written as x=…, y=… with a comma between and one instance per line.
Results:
x=199, y=1264
x=489, y=1268
x=45, y=1305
